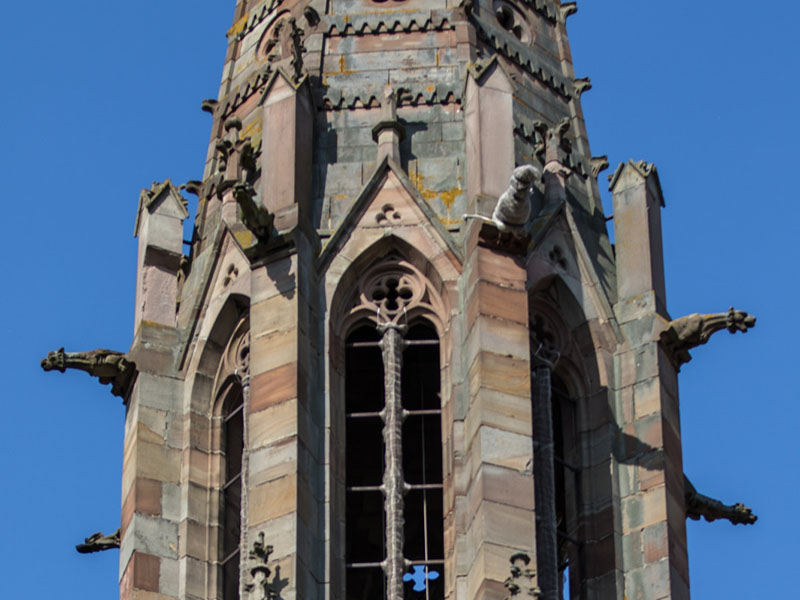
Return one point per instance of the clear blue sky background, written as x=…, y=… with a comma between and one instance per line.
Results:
x=101, y=98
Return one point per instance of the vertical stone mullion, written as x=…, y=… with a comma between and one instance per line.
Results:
x=394, y=563
x=243, y=537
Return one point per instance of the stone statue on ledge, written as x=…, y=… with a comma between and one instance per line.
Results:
x=513, y=208
x=698, y=505
x=695, y=330
x=108, y=366
x=98, y=542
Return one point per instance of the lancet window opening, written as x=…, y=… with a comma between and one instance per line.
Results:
x=231, y=493
x=394, y=503
x=557, y=469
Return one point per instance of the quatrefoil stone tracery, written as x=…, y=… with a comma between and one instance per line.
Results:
x=392, y=292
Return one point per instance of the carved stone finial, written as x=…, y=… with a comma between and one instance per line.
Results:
x=698, y=505
x=598, y=164
x=695, y=330
x=259, y=589
x=521, y=584
x=388, y=132
x=584, y=84
x=98, y=542
x=513, y=208
x=108, y=366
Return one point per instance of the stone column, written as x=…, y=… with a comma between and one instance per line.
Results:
x=647, y=453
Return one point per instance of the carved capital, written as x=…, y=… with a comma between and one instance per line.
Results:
x=98, y=542
x=108, y=366
x=695, y=330
x=552, y=144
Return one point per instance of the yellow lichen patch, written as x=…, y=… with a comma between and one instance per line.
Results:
x=252, y=131
x=238, y=27
x=448, y=221
x=418, y=180
x=245, y=238
x=449, y=196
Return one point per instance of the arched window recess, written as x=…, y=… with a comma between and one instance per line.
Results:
x=393, y=439
x=233, y=385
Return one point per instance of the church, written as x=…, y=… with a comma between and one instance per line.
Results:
x=399, y=357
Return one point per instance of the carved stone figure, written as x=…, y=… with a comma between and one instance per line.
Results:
x=259, y=588
x=514, y=208
x=553, y=142
x=520, y=584
x=254, y=216
x=698, y=505
x=98, y=542
x=108, y=366
x=695, y=330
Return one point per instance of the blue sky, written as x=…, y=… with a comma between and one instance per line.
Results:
x=102, y=98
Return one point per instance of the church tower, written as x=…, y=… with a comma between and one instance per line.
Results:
x=399, y=357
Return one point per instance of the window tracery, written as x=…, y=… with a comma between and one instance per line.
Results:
x=393, y=463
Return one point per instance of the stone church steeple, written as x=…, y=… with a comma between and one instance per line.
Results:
x=400, y=357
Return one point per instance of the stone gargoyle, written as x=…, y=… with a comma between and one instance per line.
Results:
x=698, y=505
x=108, y=366
x=98, y=542
x=513, y=208
x=688, y=332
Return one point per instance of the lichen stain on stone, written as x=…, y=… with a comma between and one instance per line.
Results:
x=252, y=131
x=238, y=27
x=447, y=197
x=244, y=238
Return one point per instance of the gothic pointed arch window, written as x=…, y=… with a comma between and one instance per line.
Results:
x=557, y=465
x=231, y=406
x=394, y=523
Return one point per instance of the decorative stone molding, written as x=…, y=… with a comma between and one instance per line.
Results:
x=513, y=208
x=282, y=47
x=97, y=542
x=553, y=145
x=695, y=330
x=378, y=23
x=521, y=583
x=108, y=366
x=519, y=53
x=698, y=505
x=253, y=19
x=417, y=94
x=566, y=10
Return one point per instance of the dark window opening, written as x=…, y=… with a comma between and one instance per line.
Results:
x=421, y=442
x=233, y=434
x=567, y=480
